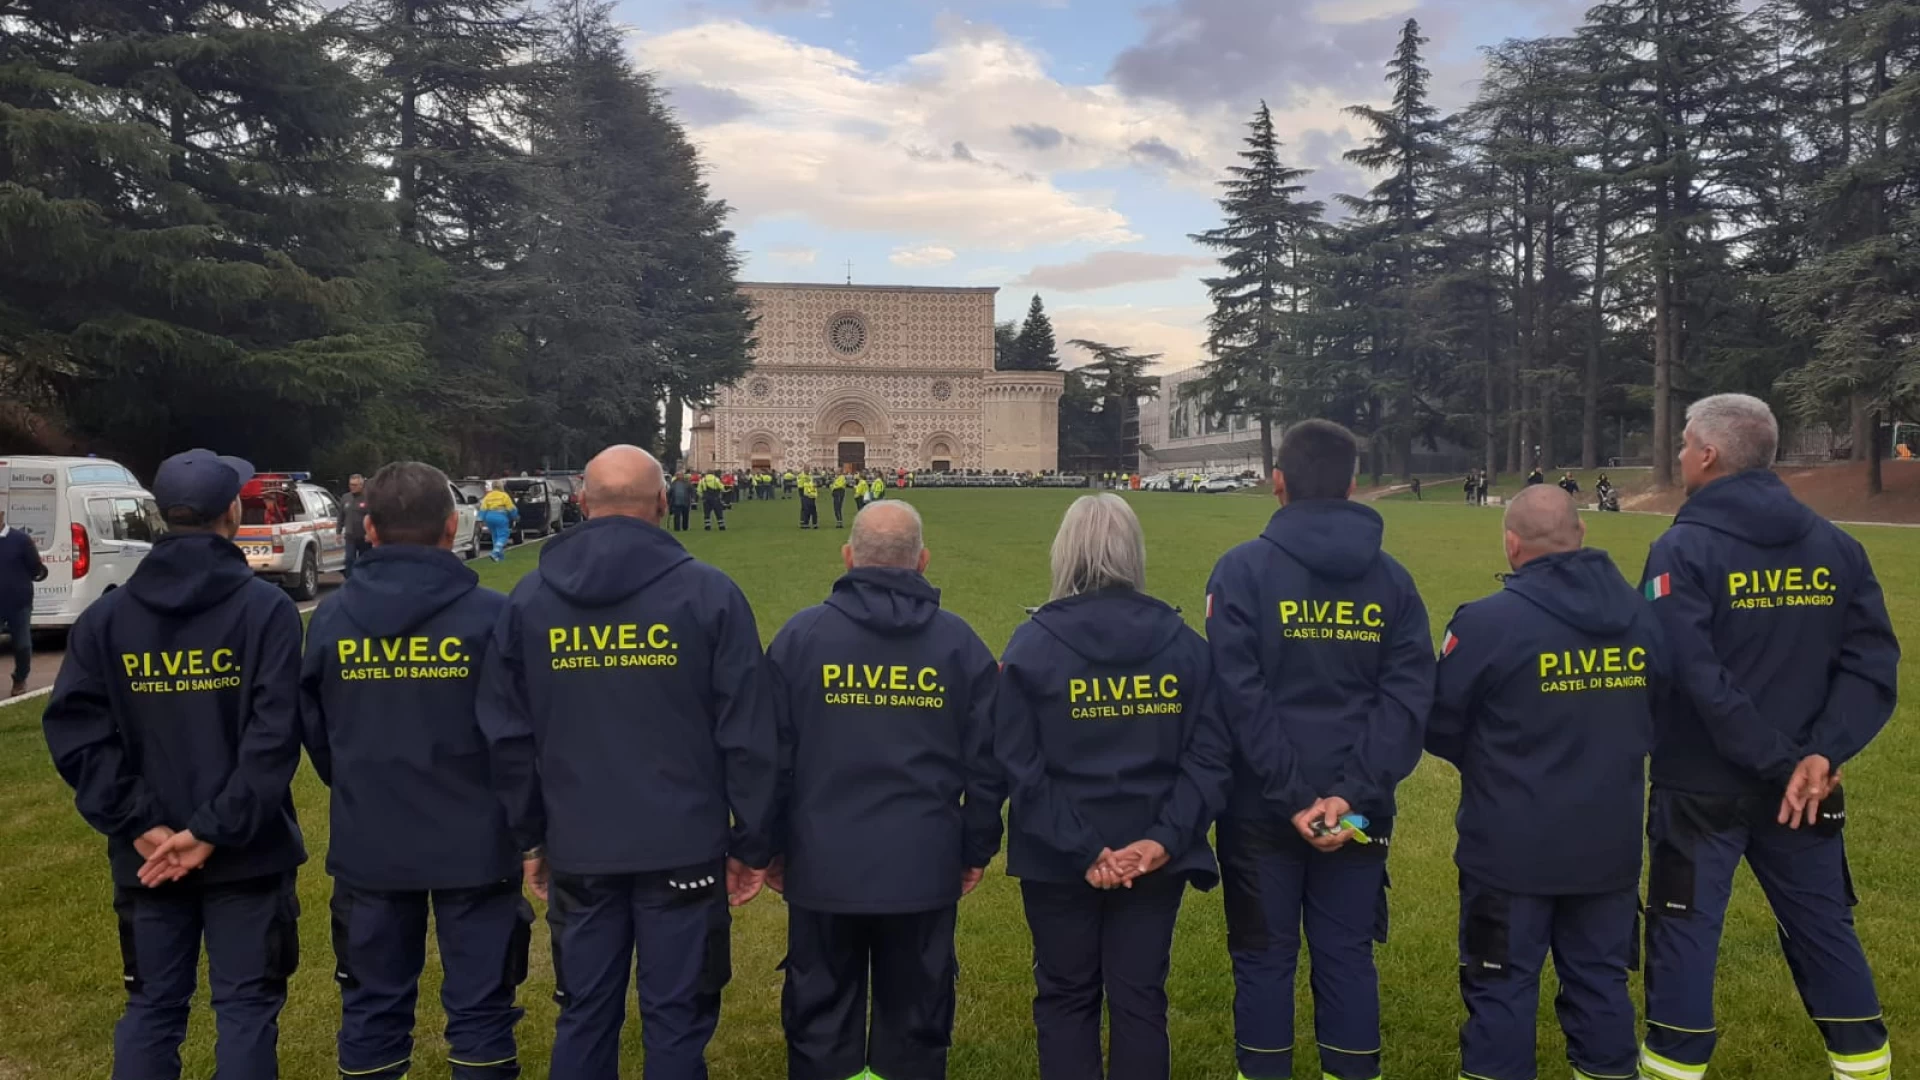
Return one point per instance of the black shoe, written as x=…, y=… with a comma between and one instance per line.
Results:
x=706, y=528
x=19, y=687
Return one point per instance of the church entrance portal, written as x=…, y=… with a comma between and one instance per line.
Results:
x=853, y=454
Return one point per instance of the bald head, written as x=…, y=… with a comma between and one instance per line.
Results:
x=887, y=534
x=625, y=481
x=1542, y=520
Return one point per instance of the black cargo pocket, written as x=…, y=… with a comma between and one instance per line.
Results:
x=340, y=911
x=283, y=936
x=520, y=943
x=716, y=971
x=1670, y=882
x=123, y=905
x=1484, y=936
x=1381, y=914
x=1833, y=814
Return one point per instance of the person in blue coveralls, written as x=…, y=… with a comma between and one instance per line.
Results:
x=1321, y=651
x=1544, y=701
x=621, y=704
x=1787, y=668
x=1117, y=761
x=890, y=808
x=388, y=692
x=176, y=720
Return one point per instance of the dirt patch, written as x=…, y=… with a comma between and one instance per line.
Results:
x=1837, y=492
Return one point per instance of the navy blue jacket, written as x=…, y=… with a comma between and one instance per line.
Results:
x=621, y=700
x=1545, y=702
x=1781, y=643
x=178, y=705
x=1110, y=732
x=1325, y=663
x=884, y=705
x=388, y=694
x=20, y=567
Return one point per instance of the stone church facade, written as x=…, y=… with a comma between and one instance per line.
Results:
x=879, y=377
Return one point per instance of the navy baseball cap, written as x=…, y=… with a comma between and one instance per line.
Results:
x=201, y=481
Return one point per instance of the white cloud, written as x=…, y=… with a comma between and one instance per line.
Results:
x=1178, y=333
x=959, y=144
x=926, y=255
x=788, y=255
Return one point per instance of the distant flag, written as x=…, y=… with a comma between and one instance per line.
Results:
x=1446, y=647
x=1659, y=586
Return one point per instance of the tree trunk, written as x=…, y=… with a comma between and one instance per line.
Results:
x=1662, y=448
x=1266, y=444
x=670, y=443
x=409, y=177
x=1873, y=454
x=1596, y=334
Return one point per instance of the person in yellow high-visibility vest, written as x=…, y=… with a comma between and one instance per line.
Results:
x=713, y=500
x=809, y=502
x=839, y=489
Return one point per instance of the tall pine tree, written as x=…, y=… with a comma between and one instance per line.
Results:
x=183, y=226
x=1034, y=349
x=1255, y=333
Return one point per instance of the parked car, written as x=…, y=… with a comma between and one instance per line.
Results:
x=1214, y=484
x=569, y=486
x=290, y=531
x=542, y=511
x=92, y=522
x=466, y=538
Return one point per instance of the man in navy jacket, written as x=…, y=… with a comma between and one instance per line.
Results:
x=1544, y=701
x=176, y=719
x=388, y=702
x=20, y=568
x=621, y=702
x=890, y=805
x=1325, y=665
x=1786, y=667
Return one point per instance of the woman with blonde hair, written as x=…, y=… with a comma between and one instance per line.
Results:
x=1118, y=761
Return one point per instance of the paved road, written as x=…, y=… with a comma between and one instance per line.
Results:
x=50, y=650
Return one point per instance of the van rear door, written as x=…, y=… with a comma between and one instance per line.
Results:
x=30, y=491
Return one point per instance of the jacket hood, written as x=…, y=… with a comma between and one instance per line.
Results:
x=1334, y=538
x=1580, y=588
x=393, y=590
x=1112, y=626
x=189, y=572
x=1755, y=506
x=885, y=600
x=608, y=559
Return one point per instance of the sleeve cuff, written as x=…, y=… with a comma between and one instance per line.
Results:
x=206, y=829
x=1169, y=839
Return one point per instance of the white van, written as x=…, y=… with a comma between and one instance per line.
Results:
x=92, y=522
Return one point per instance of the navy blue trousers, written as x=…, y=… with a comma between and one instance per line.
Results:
x=1697, y=843
x=1276, y=884
x=1504, y=941
x=379, y=950
x=676, y=925
x=833, y=961
x=1089, y=943
x=253, y=946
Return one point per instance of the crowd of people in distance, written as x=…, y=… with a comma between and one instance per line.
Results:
x=612, y=739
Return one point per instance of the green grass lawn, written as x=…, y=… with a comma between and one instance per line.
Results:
x=60, y=968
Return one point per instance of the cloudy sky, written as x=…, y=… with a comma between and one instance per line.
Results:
x=1065, y=147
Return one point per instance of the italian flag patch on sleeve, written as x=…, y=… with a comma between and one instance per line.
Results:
x=1446, y=646
x=1209, y=605
x=1659, y=585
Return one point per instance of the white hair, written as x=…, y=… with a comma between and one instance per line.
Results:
x=1099, y=546
x=1741, y=427
x=888, y=533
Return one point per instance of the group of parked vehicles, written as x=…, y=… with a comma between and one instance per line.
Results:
x=93, y=522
